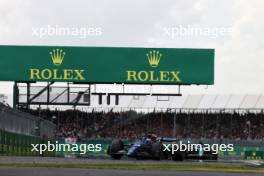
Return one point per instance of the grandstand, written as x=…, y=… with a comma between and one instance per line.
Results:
x=236, y=117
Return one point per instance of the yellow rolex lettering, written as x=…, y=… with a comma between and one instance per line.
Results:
x=131, y=76
x=175, y=76
x=34, y=74
x=79, y=74
x=143, y=76
x=67, y=74
x=56, y=75
x=164, y=76
x=46, y=74
x=152, y=76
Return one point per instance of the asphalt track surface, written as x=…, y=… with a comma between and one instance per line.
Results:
x=94, y=172
x=17, y=171
x=40, y=160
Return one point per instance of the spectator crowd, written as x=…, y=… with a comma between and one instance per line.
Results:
x=182, y=124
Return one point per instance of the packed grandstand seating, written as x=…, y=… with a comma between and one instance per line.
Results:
x=130, y=124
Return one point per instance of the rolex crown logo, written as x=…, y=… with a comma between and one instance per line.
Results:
x=57, y=56
x=154, y=58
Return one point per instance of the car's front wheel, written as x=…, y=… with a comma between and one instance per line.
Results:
x=157, y=151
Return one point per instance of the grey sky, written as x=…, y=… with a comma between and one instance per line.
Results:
x=239, y=62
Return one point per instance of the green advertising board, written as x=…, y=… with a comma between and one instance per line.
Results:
x=107, y=65
x=254, y=155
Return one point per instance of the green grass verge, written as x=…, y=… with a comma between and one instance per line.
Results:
x=160, y=167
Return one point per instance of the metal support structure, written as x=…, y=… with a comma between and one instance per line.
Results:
x=28, y=95
x=137, y=94
x=39, y=93
x=50, y=95
x=68, y=93
x=15, y=95
x=174, y=124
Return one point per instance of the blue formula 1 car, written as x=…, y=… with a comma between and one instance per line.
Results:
x=151, y=147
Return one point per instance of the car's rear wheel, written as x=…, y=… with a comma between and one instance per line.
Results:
x=116, y=156
x=178, y=156
x=116, y=146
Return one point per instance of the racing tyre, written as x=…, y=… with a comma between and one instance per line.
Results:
x=178, y=156
x=157, y=151
x=116, y=146
x=116, y=156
